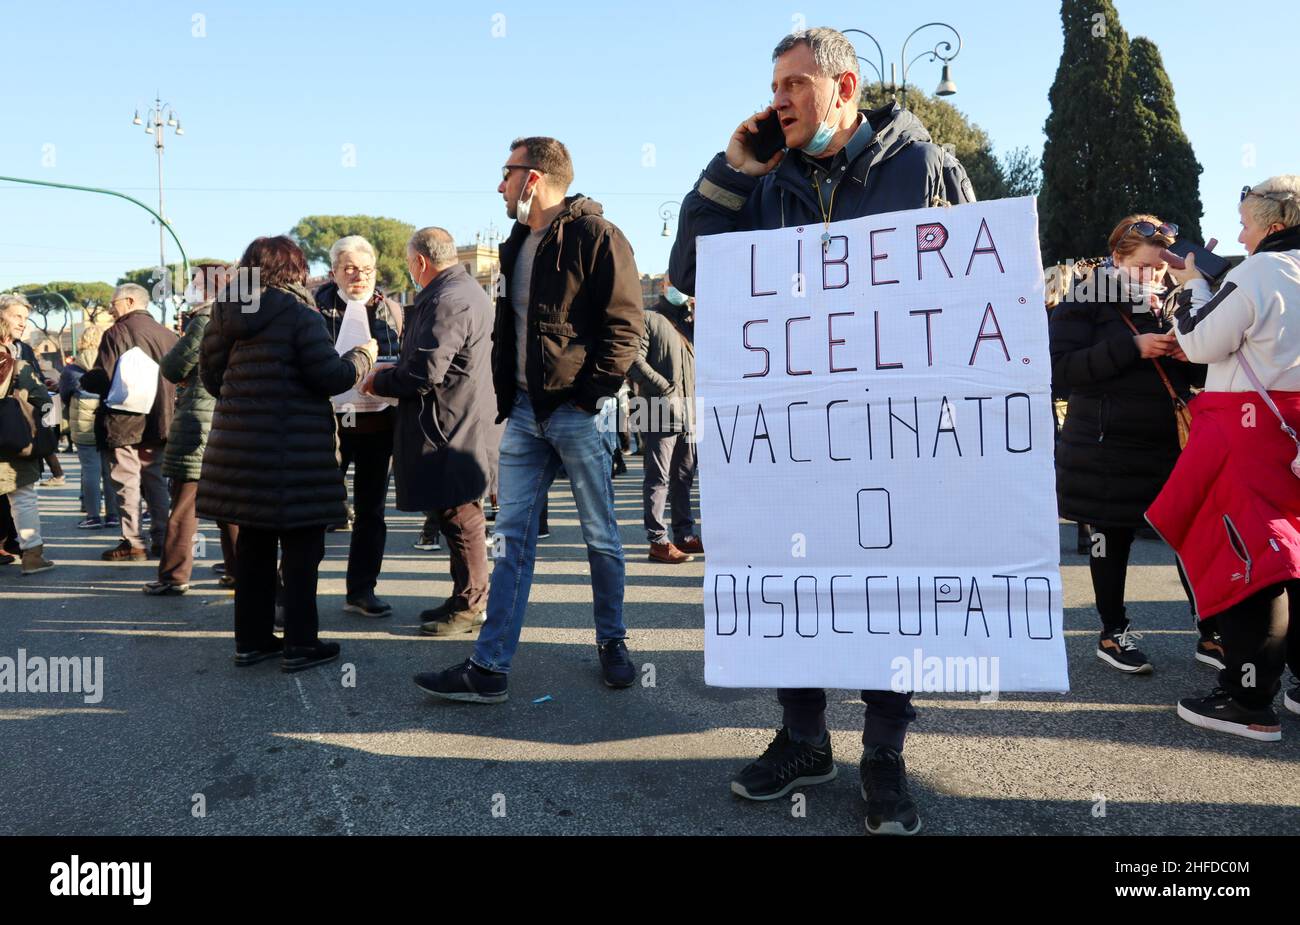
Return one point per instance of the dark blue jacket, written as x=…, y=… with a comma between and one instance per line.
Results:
x=897, y=169
x=446, y=403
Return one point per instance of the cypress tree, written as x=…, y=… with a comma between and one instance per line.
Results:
x=1167, y=181
x=1087, y=175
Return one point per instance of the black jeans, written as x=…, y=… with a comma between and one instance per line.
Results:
x=1110, y=572
x=301, y=552
x=885, y=722
x=1262, y=632
x=372, y=455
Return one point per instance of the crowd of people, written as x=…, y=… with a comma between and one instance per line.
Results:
x=465, y=399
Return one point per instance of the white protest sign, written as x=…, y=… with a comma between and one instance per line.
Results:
x=875, y=448
x=354, y=330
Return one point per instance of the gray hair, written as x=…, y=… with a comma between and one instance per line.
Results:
x=831, y=49
x=352, y=244
x=435, y=243
x=1276, y=200
x=136, y=293
x=10, y=299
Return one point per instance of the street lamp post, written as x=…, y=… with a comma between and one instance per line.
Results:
x=942, y=51
x=668, y=212
x=155, y=122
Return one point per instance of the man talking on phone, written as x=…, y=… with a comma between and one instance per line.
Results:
x=838, y=163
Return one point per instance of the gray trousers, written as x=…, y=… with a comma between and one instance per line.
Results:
x=137, y=472
x=669, y=474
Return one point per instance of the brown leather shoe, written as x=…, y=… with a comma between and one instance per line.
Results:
x=692, y=545
x=457, y=623
x=124, y=552
x=668, y=554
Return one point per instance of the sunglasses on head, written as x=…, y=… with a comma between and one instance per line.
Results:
x=1151, y=229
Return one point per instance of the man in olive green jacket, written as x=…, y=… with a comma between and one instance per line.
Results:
x=186, y=441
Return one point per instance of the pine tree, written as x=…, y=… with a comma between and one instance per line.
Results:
x=1087, y=177
x=1168, y=174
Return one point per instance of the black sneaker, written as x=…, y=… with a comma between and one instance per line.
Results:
x=296, y=658
x=273, y=649
x=1291, y=699
x=615, y=664
x=1119, y=650
x=1210, y=652
x=784, y=765
x=368, y=605
x=453, y=623
x=890, y=807
x=464, y=683
x=1220, y=712
x=428, y=543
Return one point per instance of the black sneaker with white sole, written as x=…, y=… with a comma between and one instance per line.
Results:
x=427, y=543
x=1209, y=651
x=890, y=807
x=464, y=683
x=1119, y=650
x=1218, y=711
x=1291, y=699
x=785, y=764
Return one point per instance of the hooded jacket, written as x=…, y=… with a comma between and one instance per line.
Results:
x=898, y=169
x=125, y=428
x=272, y=455
x=585, y=318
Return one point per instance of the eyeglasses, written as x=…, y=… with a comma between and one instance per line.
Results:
x=1151, y=229
x=362, y=272
x=505, y=170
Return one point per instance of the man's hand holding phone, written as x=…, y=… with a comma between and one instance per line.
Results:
x=750, y=135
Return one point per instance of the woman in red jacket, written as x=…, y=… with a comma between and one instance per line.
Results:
x=1231, y=508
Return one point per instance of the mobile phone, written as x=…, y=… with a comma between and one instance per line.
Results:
x=770, y=138
x=1210, y=264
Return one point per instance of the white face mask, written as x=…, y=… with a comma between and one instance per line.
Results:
x=524, y=209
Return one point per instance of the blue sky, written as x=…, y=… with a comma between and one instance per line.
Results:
x=430, y=98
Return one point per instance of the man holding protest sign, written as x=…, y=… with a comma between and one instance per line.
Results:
x=839, y=164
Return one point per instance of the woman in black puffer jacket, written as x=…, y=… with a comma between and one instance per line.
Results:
x=1120, y=438
x=271, y=464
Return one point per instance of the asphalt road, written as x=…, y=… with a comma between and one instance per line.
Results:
x=276, y=753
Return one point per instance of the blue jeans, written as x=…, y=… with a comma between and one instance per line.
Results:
x=95, y=474
x=531, y=454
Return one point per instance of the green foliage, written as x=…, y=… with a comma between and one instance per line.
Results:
x=48, y=309
x=316, y=233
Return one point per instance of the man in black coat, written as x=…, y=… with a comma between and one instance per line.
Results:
x=137, y=441
x=365, y=433
x=443, y=383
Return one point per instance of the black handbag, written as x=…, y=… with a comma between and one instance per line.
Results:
x=20, y=432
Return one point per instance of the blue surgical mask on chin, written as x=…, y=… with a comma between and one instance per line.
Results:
x=822, y=137
x=820, y=141
x=414, y=282
x=675, y=295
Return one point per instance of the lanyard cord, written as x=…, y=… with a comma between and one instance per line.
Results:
x=826, y=213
